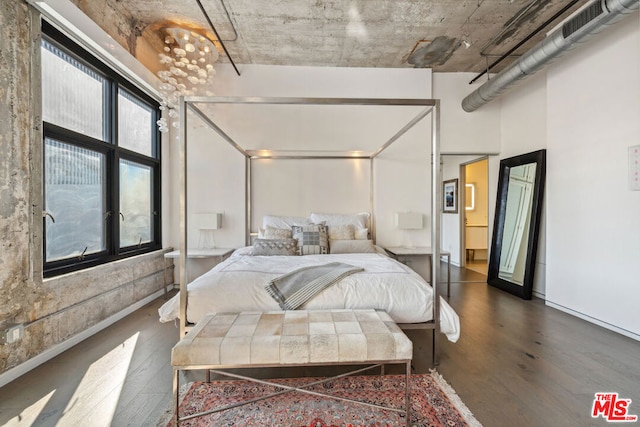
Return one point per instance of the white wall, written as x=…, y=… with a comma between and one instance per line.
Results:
x=593, y=227
x=524, y=129
x=397, y=183
x=283, y=81
x=462, y=132
x=298, y=187
x=477, y=133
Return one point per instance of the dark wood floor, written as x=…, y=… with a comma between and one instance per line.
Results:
x=517, y=363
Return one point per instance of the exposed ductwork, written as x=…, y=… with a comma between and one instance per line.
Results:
x=589, y=21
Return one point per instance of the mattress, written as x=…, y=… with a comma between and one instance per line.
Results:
x=237, y=284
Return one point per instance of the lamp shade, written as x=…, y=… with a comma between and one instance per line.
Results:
x=207, y=221
x=409, y=220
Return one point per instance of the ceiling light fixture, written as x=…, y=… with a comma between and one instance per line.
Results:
x=188, y=58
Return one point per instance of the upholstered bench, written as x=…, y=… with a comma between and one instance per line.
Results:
x=292, y=338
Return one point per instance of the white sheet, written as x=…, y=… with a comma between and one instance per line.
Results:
x=237, y=284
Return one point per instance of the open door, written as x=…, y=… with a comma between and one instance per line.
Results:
x=474, y=223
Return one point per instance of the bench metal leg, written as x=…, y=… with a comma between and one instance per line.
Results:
x=176, y=396
x=434, y=349
x=408, y=395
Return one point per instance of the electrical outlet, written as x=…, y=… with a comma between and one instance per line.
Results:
x=13, y=334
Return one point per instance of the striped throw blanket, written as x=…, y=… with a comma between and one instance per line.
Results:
x=293, y=289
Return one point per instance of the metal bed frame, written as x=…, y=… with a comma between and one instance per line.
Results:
x=432, y=108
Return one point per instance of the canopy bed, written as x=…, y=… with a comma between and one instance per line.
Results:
x=238, y=284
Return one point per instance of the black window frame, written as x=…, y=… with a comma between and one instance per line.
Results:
x=113, y=153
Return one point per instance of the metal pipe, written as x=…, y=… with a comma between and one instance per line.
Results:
x=523, y=41
x=555, y=45
x=206, y=16
x=233, y=27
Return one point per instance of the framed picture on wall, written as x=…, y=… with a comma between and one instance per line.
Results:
x=450, y=196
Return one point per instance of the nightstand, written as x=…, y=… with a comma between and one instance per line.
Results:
x=424, y=251
x=196, y=253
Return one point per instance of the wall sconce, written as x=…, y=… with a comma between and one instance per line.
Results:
x=188, y=58
x=207, y=223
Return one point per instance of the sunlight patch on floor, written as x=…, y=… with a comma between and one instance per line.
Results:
x=96, y=397
x=30, y=414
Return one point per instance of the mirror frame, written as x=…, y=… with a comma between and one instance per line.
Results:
x=524, y=291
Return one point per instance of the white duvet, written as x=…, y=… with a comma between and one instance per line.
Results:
x=237, y=284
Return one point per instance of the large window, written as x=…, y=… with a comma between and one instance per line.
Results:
x=101, y=161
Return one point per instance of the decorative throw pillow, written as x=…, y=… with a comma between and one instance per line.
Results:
x=352, y=246
x=270, y=247
x=277, y=233
x=361, y=234
x=341, y=232
x=312, y=239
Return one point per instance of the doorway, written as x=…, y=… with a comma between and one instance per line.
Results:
x=474, y=224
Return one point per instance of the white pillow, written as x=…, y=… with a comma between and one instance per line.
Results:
x=287, y=222
x=341, y=232
x=277, y=233
x=351, y=246
x=359, y=220
x=361, y=234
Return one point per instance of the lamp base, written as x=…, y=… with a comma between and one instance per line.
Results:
x=207, y=240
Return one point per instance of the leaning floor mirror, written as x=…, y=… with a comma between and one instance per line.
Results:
x=517, y=223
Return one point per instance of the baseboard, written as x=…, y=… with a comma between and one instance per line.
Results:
x=50, y=353
x=539, y=294
x=595, y=321
x=454, y=263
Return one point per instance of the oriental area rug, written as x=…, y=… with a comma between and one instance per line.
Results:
x=433, y=403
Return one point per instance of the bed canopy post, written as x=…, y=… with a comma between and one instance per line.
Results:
x=436, y=179
x=372, y=219
x=183, y=214
x=247, y=199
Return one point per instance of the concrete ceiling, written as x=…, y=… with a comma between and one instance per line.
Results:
x=343, y=33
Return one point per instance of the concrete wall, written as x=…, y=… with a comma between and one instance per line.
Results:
x=124, y=28
x=52, y=311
